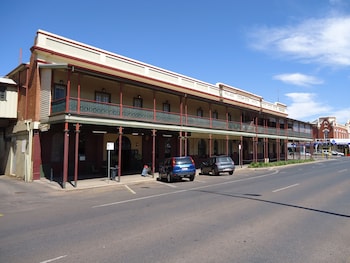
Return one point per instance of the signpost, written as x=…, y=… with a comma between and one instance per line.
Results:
x=110, y=147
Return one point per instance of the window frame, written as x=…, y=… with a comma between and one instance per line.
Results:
x=166, y=106
x=57, y=88
x=104, y=95
x=3, y=91
x=138, y=102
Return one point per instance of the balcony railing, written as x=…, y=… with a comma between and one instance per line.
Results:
x=109, y=110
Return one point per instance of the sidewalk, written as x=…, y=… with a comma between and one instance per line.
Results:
x=98, y=182
x=104, y=182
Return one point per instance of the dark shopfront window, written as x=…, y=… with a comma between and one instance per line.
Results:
x=202, y=148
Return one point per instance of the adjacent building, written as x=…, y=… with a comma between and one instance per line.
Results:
x=80, y=106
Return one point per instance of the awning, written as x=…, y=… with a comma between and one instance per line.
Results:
x=340, y=141
x=54, y=66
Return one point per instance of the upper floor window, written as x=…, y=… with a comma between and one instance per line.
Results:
x=229, y=117
x=199, y=112
x=102, y=96
x=59, y=91
x=215, y=114
x=2, y=93
x=138, y=102
x=166, y=106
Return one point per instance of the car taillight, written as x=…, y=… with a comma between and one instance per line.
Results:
x=173, y=162
x=192, y=161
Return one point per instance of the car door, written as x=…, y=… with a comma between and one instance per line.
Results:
x=212, y=164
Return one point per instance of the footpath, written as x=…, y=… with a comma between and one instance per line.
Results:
x=105, y=182
x=97, y=182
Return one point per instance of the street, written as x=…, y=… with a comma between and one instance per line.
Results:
x=296, y=213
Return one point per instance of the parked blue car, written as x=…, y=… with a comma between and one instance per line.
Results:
x=175, y=168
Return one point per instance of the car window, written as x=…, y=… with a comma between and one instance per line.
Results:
x=224, y=159
x=183, y=161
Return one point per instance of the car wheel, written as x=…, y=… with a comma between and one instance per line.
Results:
x=191, y=177
x=169, y=178
x=216, y=172
x=230, y=173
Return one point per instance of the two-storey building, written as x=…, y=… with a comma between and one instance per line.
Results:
x=79, y=98
x=331, y=135
x=8, y=116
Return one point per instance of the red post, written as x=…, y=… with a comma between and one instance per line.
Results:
x=180, y=143
x=186, y=144
x=120, y=153
x=76, y=158
x=210, y=145
x=153, y=151
x=65, y=154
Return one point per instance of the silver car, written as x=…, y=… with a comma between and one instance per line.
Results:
x=218, y=164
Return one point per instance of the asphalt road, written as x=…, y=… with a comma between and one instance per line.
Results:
x=297, y=213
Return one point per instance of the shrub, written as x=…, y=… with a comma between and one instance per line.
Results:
x=278, y=163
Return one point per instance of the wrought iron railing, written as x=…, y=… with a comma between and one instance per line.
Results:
x=109, y=110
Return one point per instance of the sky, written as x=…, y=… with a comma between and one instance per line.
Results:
x=296, y=52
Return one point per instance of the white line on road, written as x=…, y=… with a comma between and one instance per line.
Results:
x=185, y=190
x=53, y=259
x=132, y=191
x=170, y=185
x=284, y=188
x=137, y=199
x=343, y=171
x=200, y=181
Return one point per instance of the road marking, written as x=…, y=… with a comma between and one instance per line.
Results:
x=132, y=191
x=170, y=185
x=1, y=215
x=342, y=171
x=53, y=259
x=200, y=181
x=284, y=188
x=185, y=190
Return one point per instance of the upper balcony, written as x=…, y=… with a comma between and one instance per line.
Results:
x=91, y=108
x=54, y=50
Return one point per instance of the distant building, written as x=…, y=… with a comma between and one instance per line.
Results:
x=328, y=133
x=74, y=100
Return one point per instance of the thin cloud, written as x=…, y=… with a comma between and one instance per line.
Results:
x=322, y=41
x=298, y=79
x=343, y=116
x=304, y=106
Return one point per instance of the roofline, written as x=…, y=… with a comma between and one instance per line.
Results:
x=7, y=81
